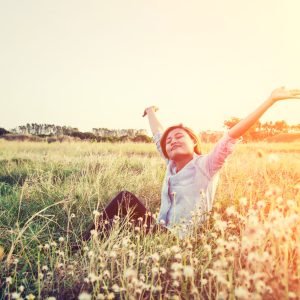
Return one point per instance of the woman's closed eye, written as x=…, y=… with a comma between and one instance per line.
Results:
x=176, y=138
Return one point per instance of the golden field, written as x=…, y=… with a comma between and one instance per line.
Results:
x=249, y=247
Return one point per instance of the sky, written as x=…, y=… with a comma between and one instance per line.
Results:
x=91, y=64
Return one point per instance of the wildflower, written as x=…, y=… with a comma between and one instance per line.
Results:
x=21, y=288
x=30, y=297
x=91, y=254
x=100, y=296
x=155, y=257
x=8, y=280
x=243, y=201
x=157, y=288
x=72, y=216
x=176, y=266
x=131, y=254
x=96, y=213
x=130, y=274
x=86, y=280
x=261, y=204
x=230, y=211
x=203, y=281
x=175, y=249
x=84, y=296
x=106, y=273
x=45, y=268
x=221, y=225
x=16, y=261
x=241, y=293
x=155, y=270
x=178, y=256
x=110, y=296
x=137, y=229
x=188, y=271
x=46, y=246
x=93, y=277
x=61, y=253
x=53, y=244
x=40, y=247
x=113, y=254
x=162, y=270
x=15, y=295
x=61, y=239
x=115, y=288
x=175, y=283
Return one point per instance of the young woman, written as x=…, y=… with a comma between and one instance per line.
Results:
x=190, y=182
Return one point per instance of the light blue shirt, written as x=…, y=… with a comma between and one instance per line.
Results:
x=193, y=188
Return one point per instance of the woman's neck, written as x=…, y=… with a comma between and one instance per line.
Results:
x=182, y=162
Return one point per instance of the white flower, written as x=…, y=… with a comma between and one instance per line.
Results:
x=21, y=288
x=230, y=211
x=45, y=268
x=8, y=280
x=84, y=296
x=61, y=239
x=130, y=274
x=110, y=296
x=15, y=295
x=243, y=201
x=115, y=288
x=188, y=271
x=96, y=213
x=113, y=254
x=46, y=246
x=155, y=257
x=241, y=293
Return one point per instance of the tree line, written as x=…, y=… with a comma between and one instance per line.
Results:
x=258, y=132
x=97, y=134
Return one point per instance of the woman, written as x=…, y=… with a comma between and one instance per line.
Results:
x=190, y=182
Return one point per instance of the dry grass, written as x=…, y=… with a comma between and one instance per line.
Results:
x=248, y=248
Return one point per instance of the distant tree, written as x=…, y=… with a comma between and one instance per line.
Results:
x=3, y=131
x=251, y=135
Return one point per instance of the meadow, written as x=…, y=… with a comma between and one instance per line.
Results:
x=248, y=247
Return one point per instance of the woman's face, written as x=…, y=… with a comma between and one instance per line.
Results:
x=179, y=144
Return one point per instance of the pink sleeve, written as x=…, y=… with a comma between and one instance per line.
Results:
x=216, y=157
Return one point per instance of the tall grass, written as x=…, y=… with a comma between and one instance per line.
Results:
x=248, y=247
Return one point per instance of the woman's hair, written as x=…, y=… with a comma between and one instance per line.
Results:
x=189, y=131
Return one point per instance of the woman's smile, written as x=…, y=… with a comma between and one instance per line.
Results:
x=175, y=147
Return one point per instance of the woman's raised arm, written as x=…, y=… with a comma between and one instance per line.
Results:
x=278, y=94
x=154, y=123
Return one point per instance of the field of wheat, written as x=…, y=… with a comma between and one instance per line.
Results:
x=248, y=247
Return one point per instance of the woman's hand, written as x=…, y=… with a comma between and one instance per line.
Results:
x=282, y=93
x=150, y=108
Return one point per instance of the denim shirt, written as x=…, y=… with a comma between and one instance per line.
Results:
x=193, y=188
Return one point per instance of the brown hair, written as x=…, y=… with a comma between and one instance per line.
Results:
x=189, y=131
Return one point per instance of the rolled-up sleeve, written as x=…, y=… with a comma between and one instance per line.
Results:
x=156, y=138
x=217, y=156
